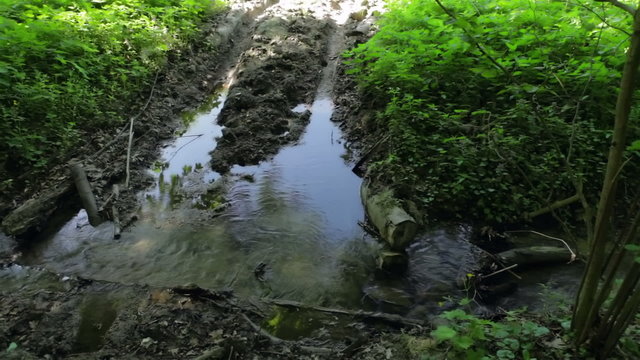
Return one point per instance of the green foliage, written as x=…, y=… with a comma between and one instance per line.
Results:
x=469, y=337
x=474, y=139
x=516, y=335
x=65, y=65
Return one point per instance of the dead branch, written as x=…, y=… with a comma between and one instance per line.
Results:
x=277, y=341
x=391, y=318
x=556, y=205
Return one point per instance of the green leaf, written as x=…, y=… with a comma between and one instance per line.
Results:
x=635, y=146
x=632, y=247
x=12, y=347
x=455, y=314
x=505, y=354
x=444, y=333
x=540, y=331
x=463, y=342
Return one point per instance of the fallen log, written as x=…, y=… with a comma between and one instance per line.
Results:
x=535, y=255
x=390, y=318
x=34, y=213
x=395, y=225
x=86, y=194
x=556, y=205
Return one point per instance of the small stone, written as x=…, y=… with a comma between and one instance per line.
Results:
x=146, y=342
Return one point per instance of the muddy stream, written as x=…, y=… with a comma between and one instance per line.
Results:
x=286, y=228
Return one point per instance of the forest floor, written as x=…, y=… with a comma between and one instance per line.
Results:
x=277, y=58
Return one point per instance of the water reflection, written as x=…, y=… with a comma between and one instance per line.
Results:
x=295, y=218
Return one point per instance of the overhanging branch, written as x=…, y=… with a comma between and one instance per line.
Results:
x=628, y=8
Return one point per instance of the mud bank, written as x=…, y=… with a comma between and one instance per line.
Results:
x=189, y=77
x=281, y=69
x=55, y=317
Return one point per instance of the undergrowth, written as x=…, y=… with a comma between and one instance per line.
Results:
x=517, y=334
x=66, y=66
x=494, y=108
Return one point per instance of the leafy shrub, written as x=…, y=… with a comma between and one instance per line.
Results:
x=64, y=64
x=498, y=111
x=510, y=339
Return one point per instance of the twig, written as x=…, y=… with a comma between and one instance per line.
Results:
x=475, y=42
x=181, y=147
x=495, y=259
x=277, y=341
x=573, y=255
x=498, y=272
x=110, y=143
x=367, y=155
x=556, y=205
x=369, y=229
x=124, y=128
x=114, y=212
x=603, y=19
x=106, y=203
x=126, y=182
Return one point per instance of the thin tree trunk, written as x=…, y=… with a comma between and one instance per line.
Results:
x=586, y=310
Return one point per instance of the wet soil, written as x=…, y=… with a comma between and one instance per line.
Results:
x=281, y=69
x=58, y=317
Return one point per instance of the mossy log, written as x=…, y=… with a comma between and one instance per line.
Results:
x=385, y=212
x=33, y=215
x=535, y=255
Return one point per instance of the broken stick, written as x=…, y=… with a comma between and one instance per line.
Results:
x=86, y=194
x=115, y=213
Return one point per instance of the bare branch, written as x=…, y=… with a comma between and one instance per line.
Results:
x=628, y=8
x=475, y=42
x=603, y=19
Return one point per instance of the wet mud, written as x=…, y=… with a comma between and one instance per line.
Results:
x=281, y=69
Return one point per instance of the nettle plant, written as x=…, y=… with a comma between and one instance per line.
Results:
x=469, y=337
x=495, y=108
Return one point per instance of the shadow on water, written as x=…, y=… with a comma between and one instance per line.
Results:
x=97, y=314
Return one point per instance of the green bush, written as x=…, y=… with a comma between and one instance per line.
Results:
x=484, y=108
x=65, y=65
